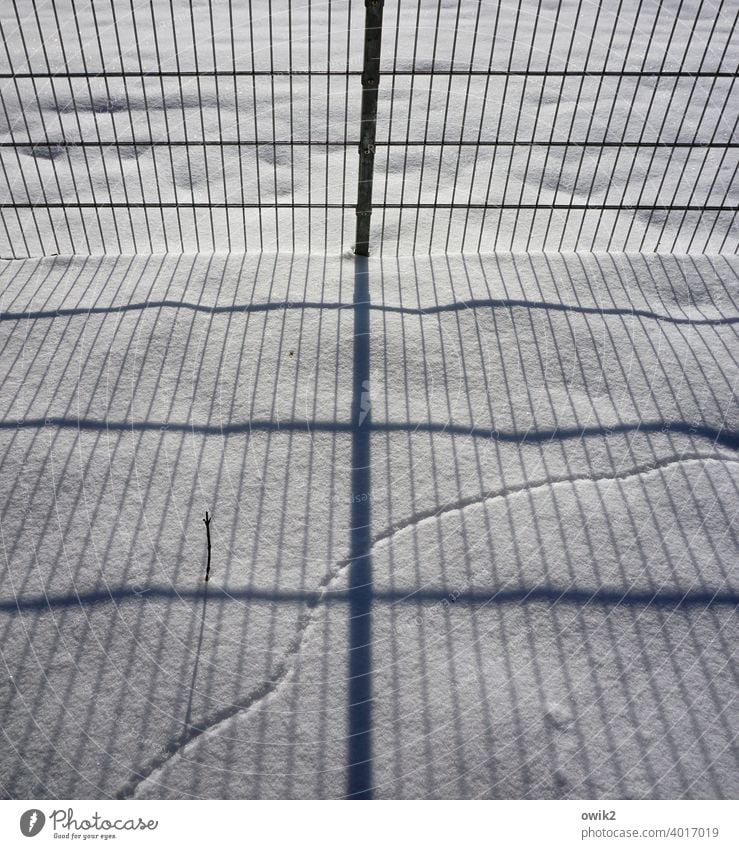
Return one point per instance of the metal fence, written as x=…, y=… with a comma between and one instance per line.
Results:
x=195, y=125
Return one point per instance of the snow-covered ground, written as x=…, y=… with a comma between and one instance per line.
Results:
x=544, y=604
x=473, y=500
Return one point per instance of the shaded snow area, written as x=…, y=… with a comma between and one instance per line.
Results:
x=472, y=526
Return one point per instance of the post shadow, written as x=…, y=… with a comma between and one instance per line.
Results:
x=359, y=767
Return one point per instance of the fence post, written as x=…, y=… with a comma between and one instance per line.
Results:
x=370, y=83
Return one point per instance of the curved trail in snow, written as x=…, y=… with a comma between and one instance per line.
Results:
x=176, y=746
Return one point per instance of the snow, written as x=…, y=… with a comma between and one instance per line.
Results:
x=551, y=494
x=487, y=476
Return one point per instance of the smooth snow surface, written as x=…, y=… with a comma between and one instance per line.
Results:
x=543, y=446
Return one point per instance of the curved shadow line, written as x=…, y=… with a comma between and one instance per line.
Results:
x=122, y=594
x=456, y=306
x=728, y=438
x=604, y=597
x=601, y=597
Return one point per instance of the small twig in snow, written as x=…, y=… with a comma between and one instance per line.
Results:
x=207, y=531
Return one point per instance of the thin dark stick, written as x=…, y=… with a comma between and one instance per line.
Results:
x=207, y=531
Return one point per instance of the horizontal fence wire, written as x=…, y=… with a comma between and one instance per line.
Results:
x=152, y=126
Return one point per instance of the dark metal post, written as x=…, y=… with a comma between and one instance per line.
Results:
x=370, y=83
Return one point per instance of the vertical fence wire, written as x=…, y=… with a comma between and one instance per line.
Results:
x=256, y=123
x=19, y=172
x=9, y=119
x=507, y=78
x=74, y=175
x=137, y=126
x=47, y=149
x=167, y=127
x=196, y=230
x=480, y=129
x=663, y=126
x=709, y=147
x=537, y=118
x=404, y=180
x=426, y=139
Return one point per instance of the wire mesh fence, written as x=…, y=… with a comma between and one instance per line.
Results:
x=152, y=126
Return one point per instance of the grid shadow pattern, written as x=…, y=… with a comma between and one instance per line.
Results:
x=508, y=557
